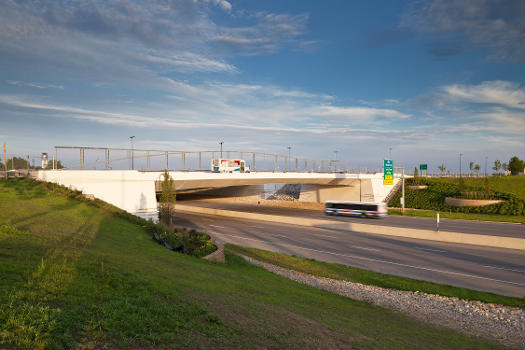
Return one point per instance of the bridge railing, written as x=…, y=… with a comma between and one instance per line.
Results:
x=106, y=158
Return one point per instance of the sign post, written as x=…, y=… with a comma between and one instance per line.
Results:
x=423, y=167
x=388, y=177
x=5, y=161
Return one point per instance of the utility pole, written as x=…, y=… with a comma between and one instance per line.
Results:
x=132, y=153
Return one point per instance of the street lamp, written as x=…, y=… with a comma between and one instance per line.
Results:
x=221, y=142
x=288, y=160
x=460, y=155
x=132, y=152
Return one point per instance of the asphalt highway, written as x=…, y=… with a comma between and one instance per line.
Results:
x=463, y=226
x=496, y=270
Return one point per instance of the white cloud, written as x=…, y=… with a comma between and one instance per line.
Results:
x=495, y=25
x=361, y=112
x=269, y=33
x=503, y=93
x=34, y=85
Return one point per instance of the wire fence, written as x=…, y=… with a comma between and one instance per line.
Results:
x=102, y=158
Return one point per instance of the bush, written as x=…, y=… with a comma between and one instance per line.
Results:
x=433, y=198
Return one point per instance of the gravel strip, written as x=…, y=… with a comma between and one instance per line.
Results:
x=503, y=324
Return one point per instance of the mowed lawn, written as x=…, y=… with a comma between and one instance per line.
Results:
x=77, y=276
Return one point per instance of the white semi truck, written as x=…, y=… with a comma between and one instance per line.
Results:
x=219, y=165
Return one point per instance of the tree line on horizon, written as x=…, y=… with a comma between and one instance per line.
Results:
x=21, y=163
x=514, y=166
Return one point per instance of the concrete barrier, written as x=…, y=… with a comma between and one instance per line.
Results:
x=442, y=236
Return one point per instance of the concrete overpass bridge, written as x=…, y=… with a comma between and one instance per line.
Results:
x=135, y=190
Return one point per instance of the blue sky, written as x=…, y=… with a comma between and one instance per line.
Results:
x=429, y=79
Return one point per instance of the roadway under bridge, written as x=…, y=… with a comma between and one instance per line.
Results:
x=135, y=191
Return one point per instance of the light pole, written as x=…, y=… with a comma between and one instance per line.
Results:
x=288, y=160
x=460, y=155
x=132, y=152
x=390, y=153
x=221, y=142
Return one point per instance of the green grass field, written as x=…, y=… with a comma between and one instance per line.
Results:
x=507, y=184
x=352, y=274
x=460, y=216
x=77, y=276
x=428, y=202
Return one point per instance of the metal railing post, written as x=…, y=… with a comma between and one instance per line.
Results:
x=148, y=161
x=253, y=161
x=403, y=190
x=200, y=160
x=183, y=155
x=166, y=165
x=296, y=164
x=275, y=164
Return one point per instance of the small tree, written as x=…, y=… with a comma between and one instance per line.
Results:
x=167, y=199
x=516, y=165
x=497, y=166
x=471, y=167
x=477, y=168
x=442, y=168
x=505, y=167
x=416, y=176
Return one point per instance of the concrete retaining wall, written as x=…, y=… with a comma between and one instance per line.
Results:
x=449, y=237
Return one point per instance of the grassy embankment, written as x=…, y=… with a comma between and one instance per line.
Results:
x=352, y=274
x=77, y=276
x=430, y=201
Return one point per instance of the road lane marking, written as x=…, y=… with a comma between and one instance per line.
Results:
x=259, y=227
x=276, y=235
x=382, y=261
x=365, y=248
x=503, y=268
x=216, y=226
x=431, y=250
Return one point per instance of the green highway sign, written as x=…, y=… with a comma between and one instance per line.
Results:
x=388, y=166
x=422, y=167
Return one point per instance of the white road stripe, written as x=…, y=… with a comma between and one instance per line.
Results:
x=216, y=226
x=383, y=261
x=276, y=235
x=366, y=248
x=431, y=250
x=503, y=268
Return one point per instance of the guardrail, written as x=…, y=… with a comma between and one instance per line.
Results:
x=106, y=158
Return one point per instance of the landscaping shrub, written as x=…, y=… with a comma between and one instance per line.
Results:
x=433, y=198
